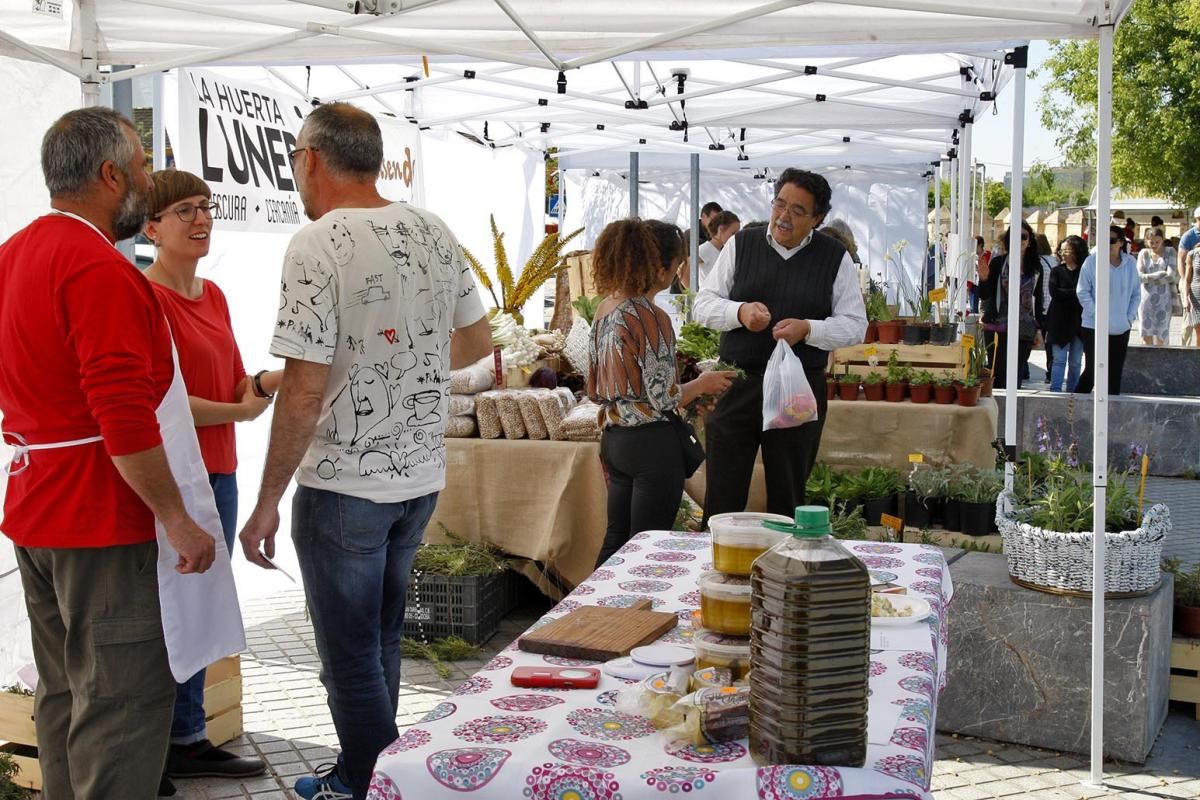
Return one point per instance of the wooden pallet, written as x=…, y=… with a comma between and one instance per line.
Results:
x=222, y=705
x=1185, y=671
x=933, y=357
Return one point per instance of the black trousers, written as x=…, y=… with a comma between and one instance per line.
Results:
x=645, y=481
x=1000, y=360
x=1117, y=347
x=733, y=434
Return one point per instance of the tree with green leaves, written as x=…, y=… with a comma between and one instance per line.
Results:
x=1156, y=99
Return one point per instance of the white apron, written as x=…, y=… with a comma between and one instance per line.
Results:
x=200, y=615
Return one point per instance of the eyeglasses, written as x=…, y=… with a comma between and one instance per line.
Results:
x=292, y=153
x=1024, y=238
x=1113, y=241
x=188, y=213
x=799, y=212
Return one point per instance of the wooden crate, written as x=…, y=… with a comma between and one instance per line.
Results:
x=222, y=706
x=933, y=357
x=1185, y=671
x=579, y=275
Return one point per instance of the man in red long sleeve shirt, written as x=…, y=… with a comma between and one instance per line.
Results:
x=87, y=361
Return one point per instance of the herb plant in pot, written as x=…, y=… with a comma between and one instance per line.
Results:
x=877, y=311
x=876, y=488
x=920, y=386
x=958, y=480
x=848, y=386
x=897, y=379
x=873, y=386
x=924, y=501
x=968, y=391
x=824, y=488
x=830, y=386
x=943, y=389
x=1187, y=597
x=977, y=502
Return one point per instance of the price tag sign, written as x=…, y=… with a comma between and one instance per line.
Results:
x=937, y=295
x=894, y=524
x=870, y=350
x=968, y=341
x=916, y=458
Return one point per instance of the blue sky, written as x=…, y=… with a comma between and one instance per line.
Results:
x=993, y=134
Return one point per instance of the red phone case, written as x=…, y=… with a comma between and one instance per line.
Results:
x=556, y=677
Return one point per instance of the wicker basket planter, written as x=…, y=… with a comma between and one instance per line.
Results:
x=1062, y=562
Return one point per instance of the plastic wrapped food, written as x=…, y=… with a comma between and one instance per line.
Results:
x=788, y=400
x=531, y=412
x=550, y=404
x=510, y=414
x=479, y=377
x=462, y=405
x=461, y=426
x=488, y=415
x=712, y=715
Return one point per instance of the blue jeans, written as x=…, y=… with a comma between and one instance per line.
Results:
x=187, y=727
x=1066, y=354
x=355, y=557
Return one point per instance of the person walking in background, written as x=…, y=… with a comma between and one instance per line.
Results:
x=220, y=393
x=1156, y=269
x=1187, y=243
x=93, y=404
x=633, y=377
x=1065, y=315
x=791, y=283
x=1124, y=293
x=1191, y=294
x=993, y=296
x=983, y=257
x=722, y=226
x=372, y=290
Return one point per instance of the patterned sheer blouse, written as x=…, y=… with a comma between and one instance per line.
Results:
x=631, y=372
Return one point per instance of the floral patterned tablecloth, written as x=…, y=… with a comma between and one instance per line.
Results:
x=494, y=740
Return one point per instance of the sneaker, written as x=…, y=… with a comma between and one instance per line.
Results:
x=203, y=760
x=324, y=784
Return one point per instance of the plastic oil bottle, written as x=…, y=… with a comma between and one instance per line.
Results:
x=810, y=640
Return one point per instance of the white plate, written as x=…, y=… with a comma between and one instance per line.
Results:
x=628, y=669
x=663, y=655
x=920, y=610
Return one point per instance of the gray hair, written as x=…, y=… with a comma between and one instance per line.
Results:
x=78, y=144
x=838, y=229
x=349, y=139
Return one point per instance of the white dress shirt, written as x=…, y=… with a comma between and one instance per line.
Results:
x=708, y=258
x=847, y=325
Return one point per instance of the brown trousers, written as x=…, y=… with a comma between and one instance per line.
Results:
x=105, y=692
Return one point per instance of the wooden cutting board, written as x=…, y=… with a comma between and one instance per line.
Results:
x=598, y=633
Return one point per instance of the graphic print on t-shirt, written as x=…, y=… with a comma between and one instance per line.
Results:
x=374, y=294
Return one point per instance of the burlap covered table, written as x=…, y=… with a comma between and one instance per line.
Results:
x=880, y=434
x=544, y=501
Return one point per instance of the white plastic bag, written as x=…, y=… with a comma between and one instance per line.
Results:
x=788, y=400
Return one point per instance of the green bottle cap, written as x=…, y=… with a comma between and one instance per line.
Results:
x=809, y=521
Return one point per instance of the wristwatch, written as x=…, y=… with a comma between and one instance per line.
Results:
x=258, y=387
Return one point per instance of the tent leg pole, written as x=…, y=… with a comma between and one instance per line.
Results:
x=964, y=209
x=633, y=185
x=1100, y=395
x=939, y=264
x=694, y=239
x=1020, y=60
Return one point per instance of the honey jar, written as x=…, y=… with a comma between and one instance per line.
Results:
x=725, y=603
x=739, y=538
x=724, y=652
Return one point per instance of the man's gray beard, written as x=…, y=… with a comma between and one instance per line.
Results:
x=131, y=214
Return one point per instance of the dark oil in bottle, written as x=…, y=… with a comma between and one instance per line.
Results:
x=810, y=639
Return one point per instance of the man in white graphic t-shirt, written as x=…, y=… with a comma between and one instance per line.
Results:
x=376, y=307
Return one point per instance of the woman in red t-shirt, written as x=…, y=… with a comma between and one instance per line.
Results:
x=220, y=393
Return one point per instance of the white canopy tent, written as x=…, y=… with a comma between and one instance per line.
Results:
x=559, y=38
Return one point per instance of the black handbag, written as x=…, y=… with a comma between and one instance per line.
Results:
x=693, y=451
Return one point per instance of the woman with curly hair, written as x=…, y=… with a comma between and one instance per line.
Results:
x=633, y=377
x=1065, y=316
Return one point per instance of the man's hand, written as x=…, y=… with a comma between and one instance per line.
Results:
x=252, y=405
x=195, y=547
x=754, y=317
x=260, y=529
x=793, y=331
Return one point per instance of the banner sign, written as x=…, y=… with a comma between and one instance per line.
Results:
x=236, y=136
x=402, y=172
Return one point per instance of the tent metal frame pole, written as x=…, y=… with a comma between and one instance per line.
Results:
x=89, y=47
x=1016, y=217
x=386, y=105
x=952, y=223
x=694, y=239
x=1104, y=122
x=530, y=34
x=965, y=196
x=975, y=10
x=939, y=264
x=634, y=200
x=160, y=125
x=805, y=99
x=41, y=54
x=651, y=42
x=288, y=82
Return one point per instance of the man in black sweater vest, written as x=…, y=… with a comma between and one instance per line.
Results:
x=788, y=282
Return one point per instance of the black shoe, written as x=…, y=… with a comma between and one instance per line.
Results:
x=165, y=787
x=202, y=760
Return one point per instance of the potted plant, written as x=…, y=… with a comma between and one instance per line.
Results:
x=830, y=386
x=897, y=379
x=877, y=311
x=968, y=391
x=977, y=502
x=925, y=501
x=824, y=487
x=848, y=386
x=1187, y=597
x=943, y=389
x=958, y=480
x=977, y=365
x=873, y=386
x=945, y=332
x=545, y=263
x=876, y=489
x=920, y=386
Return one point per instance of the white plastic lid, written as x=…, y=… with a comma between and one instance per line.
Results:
x=721, y=645
x=745, y=528
x=725, y=587
x=662, y=655
x=628, y=669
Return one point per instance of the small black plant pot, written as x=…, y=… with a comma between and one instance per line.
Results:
x=875, y=507
x=943, y=334
x=952, y=515
x=916, y=334
x=977, y=517
x=920, y=514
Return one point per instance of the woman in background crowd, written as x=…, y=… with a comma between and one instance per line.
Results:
x=1065, y=315
x=633, y=377
x=993, y=295
x=1124, y=292
x=1156, y=268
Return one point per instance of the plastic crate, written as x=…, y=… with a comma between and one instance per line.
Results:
x=470, y=607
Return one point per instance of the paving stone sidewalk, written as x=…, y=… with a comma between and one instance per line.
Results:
x=287, y=724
